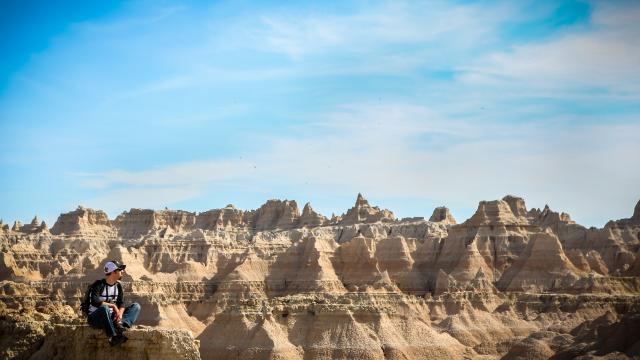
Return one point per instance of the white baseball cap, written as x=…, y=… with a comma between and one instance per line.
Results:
x=112, y=266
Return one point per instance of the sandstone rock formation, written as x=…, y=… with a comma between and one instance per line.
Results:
x=311, y=218
x=442, y=214
x=83, y=222
x=518, y=208
x=362, y=212
x=83, y=342
x=278, y=283
x=542, y=266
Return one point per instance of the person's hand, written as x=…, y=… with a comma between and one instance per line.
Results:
x=113, y=307
x=118, y=313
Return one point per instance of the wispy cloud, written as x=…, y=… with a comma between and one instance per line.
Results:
x=604, y=55
x=384, y=28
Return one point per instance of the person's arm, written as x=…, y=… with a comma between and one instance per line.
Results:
x=94, y=293
x=120, y=298
x=120, y=303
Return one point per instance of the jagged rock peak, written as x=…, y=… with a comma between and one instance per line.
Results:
x=550, y=218
x=35, y=226
x=81, y=221
x=307, y=209
x=17, y=225
x=443, y=215
x=517, y=205
x=362, y=212
x=361, y=201
x=310, y=217
x=633, y=221
x=496, y=212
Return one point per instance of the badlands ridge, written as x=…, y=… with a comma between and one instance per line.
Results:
x=280, y=283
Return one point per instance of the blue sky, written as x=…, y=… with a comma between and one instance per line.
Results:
x=194, y=105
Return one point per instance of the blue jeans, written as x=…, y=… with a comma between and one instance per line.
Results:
x=101, y=318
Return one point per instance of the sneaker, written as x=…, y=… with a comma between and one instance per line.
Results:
x=120, y=327
x=117, y=340
x=126, y=325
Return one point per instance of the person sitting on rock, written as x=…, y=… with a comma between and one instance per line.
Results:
x=106, y=309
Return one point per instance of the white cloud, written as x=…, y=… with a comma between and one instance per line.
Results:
x=606, y=54
x=373, y=29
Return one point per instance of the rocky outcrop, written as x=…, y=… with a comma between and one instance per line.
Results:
x=634, y=269
x=497, y=212
x=219, y=219
x=83, y=222
x=362, y=212
x=552, y=219
x=17, y=226
x=83, y=342
x=306, y=267
x=310, y=218
x=607, y=337
x=4, y=228
x=542, y=266
x=35, y=227
x=442, y=214
x=632, y=222
x=276, y=214
x=274, y=283
x=135, y=223
x=517, y=205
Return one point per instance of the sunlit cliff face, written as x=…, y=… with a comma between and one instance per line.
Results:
x=348, y=286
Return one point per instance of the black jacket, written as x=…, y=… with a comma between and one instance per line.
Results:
x=96, y=289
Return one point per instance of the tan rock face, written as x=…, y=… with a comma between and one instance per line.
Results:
x=219, y=219
x=277, y=283
x=83, y=342
x=276, y=214
x=442, y=214
x=311, y=218
x=138, y=222
x=362, y=212
x=497, y=212
x=517, y=205
x=83, y=221
x=542, y=266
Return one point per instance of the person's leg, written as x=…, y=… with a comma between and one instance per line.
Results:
x=101, y=319
x=130, y=315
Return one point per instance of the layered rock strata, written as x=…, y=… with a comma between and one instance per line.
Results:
x=279, y=283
